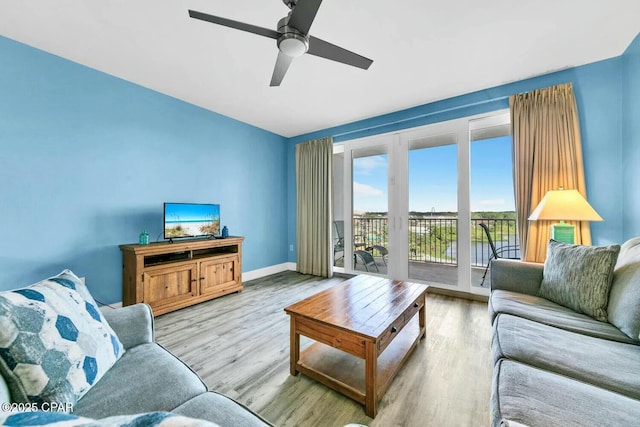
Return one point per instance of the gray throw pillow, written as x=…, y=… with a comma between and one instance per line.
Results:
x=579, y=277
x=624, y=298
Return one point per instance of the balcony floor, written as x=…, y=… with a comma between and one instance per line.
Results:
x=431, y=272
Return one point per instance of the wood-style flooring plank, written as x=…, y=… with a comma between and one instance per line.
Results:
x=239, y=345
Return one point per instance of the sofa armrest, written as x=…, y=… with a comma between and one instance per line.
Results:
x=132, y=324
x=5, y=394
x=516, y=276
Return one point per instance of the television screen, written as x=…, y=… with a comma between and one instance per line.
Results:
x=191, y=220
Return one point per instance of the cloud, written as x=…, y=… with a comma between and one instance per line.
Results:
x=366, y=190
x=365, y=165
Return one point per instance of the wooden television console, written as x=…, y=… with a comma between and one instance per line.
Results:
x=170, y=276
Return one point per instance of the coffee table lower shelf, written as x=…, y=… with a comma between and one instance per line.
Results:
x=345, y=373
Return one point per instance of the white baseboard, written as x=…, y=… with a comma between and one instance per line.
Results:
x=246, y=276
x=266, y=271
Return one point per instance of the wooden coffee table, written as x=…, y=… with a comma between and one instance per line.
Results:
x=366, y=320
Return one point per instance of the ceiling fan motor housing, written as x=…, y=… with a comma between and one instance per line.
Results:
x=292, y=42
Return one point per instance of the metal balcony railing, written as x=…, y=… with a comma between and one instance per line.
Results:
x=436, y=239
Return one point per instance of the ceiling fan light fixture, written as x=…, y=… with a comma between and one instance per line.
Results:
x=293, y=45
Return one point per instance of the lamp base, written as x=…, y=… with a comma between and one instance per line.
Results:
x=563, y=232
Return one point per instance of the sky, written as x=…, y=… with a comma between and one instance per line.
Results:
x=186, y=212
x=433, y=178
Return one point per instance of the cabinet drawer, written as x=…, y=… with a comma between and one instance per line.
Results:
x=413, y=309
x=390, y=333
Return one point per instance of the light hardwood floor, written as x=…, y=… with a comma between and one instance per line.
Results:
x=239, y=345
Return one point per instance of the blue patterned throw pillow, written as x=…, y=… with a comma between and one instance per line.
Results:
x=150, y=419
x=54, y=342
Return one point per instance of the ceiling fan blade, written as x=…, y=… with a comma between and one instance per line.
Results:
x=330, y=51
x=234, y=24
x=282, y=65
x=303, y=15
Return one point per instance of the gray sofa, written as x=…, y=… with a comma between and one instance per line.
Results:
x=148, y=378
x=554, y=366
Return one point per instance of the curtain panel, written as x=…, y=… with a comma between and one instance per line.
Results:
x=314, y=185
x=547, y=154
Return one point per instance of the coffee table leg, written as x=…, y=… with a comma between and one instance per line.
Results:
x=422, y=318
x=370, y=375
x=294, y=347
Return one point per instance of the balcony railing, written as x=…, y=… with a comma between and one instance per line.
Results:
x=436, y=239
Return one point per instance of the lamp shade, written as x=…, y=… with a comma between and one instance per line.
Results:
x=564, y=205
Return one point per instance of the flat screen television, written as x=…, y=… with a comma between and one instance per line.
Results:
x=191, y=220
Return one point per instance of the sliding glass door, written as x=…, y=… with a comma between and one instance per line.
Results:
x=406, y=202
x=493, y=213
x=436, y=205
x=370, y=194
x=361, y=204
x=433, y=208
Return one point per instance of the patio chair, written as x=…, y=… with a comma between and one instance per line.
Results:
x=338, y=246
x=384, y=252
x=495, y=253
x=367, y=259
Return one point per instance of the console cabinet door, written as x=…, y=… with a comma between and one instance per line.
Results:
x=220, y=275
x=169, y=285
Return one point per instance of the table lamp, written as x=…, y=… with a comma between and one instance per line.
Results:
x=564, y=205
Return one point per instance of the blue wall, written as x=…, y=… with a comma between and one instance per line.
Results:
x=87, y=160
x=599, y=97
x=631, y=138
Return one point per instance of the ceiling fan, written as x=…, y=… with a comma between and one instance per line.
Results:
x=293, y=37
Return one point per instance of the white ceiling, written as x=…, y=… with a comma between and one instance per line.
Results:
x=423, y=50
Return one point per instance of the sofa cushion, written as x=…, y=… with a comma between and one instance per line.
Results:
x=221, y=410
x=515, y=275
x=535, y=397
x=579, y=277
x=150, y=419
x=54, y=342
x=547, y=312
x=606, y=364
x=146, y=378
x=624, y=298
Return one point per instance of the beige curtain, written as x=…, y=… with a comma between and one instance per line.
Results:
x=547, y=154
x=314, y=178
